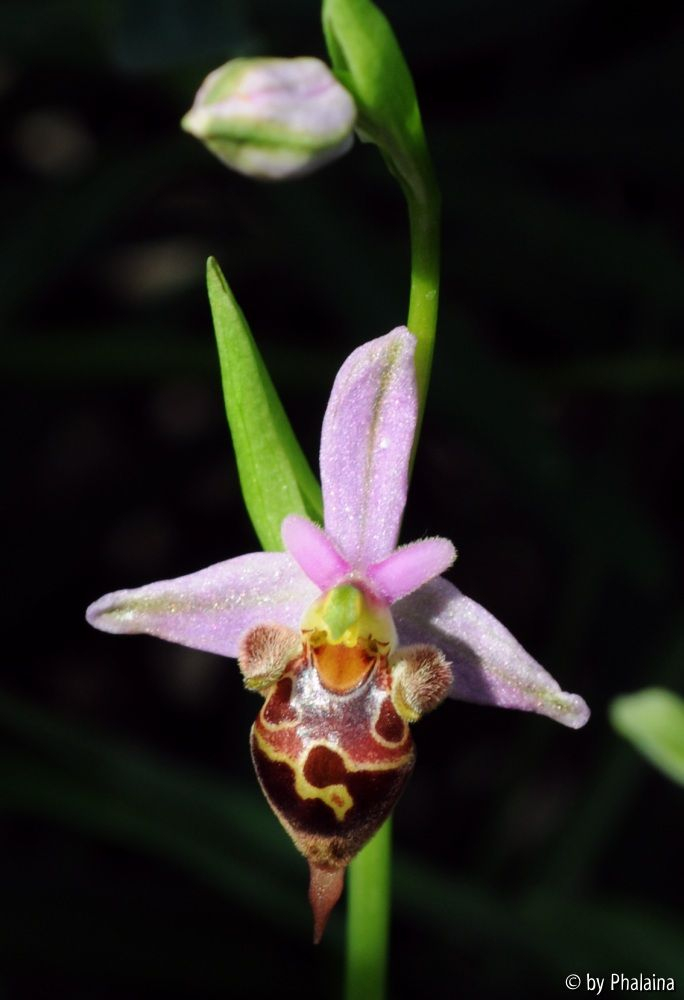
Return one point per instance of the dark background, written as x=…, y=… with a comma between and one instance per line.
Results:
x=137, y=857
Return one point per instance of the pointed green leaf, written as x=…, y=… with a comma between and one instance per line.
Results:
x=275, y=477
x=653, y=720
x=368, y=61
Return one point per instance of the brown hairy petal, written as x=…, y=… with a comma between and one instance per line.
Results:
x=421, y=678
x=264, y=653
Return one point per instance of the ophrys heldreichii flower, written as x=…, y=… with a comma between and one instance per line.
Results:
x=342, y=675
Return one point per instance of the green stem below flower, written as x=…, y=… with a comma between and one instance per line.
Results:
x=369, y=882
x=424, y=221
x=368, y=918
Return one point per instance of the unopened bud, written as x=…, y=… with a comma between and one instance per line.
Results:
x=273, y=118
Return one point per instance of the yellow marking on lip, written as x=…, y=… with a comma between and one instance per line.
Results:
x=349, y=763
x=336, y=797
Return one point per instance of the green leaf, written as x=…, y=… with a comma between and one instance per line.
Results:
x=653, y=720
x=368, y=61
x=275, y=477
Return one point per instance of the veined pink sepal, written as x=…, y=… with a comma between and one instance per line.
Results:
x=213, y=608
x=366, y=443
x=489, y=665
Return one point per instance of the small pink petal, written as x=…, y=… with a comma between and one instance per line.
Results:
x=313, y=551
x=410, y=566
x=211, y=609
x=366, y=445
x=489, y=666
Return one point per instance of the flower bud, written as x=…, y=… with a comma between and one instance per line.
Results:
x=273, y=118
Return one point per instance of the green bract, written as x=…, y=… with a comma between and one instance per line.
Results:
x=275, y=477
x=273, y=118
x=368, y=60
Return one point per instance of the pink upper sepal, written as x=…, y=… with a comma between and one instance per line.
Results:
x=313, y=551
x=366, y=444
x=410, y=566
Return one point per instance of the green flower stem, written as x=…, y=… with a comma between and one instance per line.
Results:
x=369, y=876
x=424, y=221
x=368, y=918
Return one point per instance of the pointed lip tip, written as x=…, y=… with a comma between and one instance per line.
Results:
x=319, y=927
x=324, y=897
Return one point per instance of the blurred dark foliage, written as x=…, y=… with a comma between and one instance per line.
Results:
x=138, y=859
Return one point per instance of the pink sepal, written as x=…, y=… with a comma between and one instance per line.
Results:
x=366, y=445
x=211, y=609
x=489, y=666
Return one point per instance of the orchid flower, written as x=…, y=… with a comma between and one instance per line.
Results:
x=348, y=637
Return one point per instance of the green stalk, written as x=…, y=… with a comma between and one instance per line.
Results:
x=424, y=221
x=368, y=918
x=369, y=875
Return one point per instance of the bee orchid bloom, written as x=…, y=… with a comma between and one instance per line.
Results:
x=348, y=638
